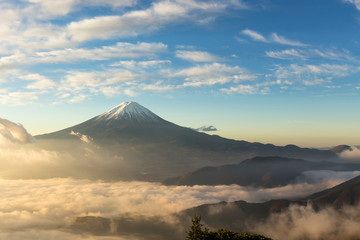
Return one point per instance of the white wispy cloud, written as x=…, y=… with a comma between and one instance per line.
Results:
x=246, y=89
x=25, y=29
x=315, y=81
x=355, y=2
x=242, y=89
x=36, y=32
x=273, y=38
x=140, y=21
x=77, y=98
x=196, y=56
x=12, y=61
x=56, y=8
x=211, y=74
x=131, y=64
x=50, y=9
x=254, y=35
x=310, y=74
x=310, y=53
x=120, y=50
x=285, y=54
x=38, y=81
x=158, y=86
x=19, y=97
x=92, y=81
x=282, y=40
x=78, y=86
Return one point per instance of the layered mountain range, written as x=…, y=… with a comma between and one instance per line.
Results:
x=151, y=148
x=131, y=122
x=129, y=142
x=265, y=172
x=240, y=214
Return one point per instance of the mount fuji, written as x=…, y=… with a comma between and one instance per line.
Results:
x=131, y=122
x=158, y=149
x=128, y=112
x=126, y=122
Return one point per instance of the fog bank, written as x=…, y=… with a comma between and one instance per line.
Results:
x=300, y=222
x=46, y=209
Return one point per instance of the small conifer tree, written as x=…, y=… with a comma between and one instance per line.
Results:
x=196, y=230
x=199, y=232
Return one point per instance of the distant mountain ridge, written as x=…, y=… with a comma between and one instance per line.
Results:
x=340, y=148
x=257, y=172
x=154, y=149
x=130, y=121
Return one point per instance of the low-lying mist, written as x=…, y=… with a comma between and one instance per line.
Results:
x=49, y=207
x=352, y=154
x=302, y=222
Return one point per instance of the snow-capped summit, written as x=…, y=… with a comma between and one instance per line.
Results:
x=129, y=120
x=129, y=111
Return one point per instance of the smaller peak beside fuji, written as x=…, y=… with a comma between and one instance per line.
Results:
x=129, y=111
x=340, y=148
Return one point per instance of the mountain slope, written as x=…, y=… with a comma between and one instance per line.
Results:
x=239, y=214
x=347, y=193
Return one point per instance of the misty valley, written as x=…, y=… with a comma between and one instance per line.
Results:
x=129, y=174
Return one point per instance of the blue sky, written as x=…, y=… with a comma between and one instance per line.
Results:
x=261, y=70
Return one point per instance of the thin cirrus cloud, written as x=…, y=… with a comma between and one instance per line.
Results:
x=285, y=54
x=282, y=40
x=310, y=53
x=119, y=50
x=131, y=64
x=246, y=89
x=254, y=35
x=273, y=38
x=355, y=2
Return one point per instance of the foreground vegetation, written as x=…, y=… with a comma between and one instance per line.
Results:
x=199, y=232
